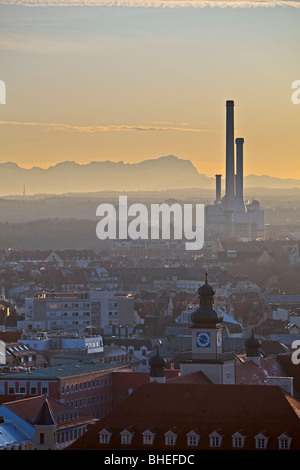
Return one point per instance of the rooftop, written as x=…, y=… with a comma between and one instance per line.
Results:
x=207, y=407
x=65, y=370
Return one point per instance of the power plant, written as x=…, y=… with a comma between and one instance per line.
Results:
x=231, y=215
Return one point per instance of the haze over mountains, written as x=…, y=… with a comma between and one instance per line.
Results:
x=168, y=172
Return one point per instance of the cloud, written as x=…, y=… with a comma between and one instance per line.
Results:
x=157, y=3
x=91, y=129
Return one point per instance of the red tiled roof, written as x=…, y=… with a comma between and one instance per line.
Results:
x=194, y=378
x=247, y=372
x=146, y=308
x=35, y=410
x=29, y=408
x=125, y=380
x=208, y=407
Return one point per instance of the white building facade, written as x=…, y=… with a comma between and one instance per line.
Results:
x=76, y=311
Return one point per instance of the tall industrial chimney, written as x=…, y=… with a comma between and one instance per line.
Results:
x=230, y=192
x=240, y=204
x=218, y=188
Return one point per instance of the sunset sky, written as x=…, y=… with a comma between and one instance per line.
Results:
x=132, y=82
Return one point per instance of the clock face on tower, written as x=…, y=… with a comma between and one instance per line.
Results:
x=219, y=338
x=203, y=340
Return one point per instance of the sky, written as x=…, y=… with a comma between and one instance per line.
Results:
x=132, y=80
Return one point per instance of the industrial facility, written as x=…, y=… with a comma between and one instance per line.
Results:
x=231, y=215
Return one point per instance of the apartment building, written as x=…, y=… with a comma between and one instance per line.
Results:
x=85, y=386
x=76, y=311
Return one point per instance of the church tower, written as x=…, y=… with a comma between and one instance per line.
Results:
x=207, y=342
x=45, y=428
x=157, y=365
x=253, y=349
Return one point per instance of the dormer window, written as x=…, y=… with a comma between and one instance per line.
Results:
x=215, y=439
x=126, y=436
x=104, y=436
x=170, y=437
x=261, y=441
x=148, y=437
x=193, y=438
x=238, y=439
x=284, y=441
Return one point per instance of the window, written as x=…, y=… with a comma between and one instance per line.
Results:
x=237, y=442
x=126, y=437
x=238, y=439
x=170, y=441
x=104, y=436
x=42, y=438
x=215, y=439
x=170, y=438
x=283, y=444
x=193, y=438
x=148, y=437
x=284, y=441
x=261, y=441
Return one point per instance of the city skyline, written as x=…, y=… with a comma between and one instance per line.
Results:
x=128, y=83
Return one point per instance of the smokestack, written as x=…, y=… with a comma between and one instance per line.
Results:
x=240, y=205
x=239, y=167
x=230, y=192
x=218, y=188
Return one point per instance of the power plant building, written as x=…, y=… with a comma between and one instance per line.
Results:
x=231, y=215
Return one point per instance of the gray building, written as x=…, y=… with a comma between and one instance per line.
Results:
x=76, y=311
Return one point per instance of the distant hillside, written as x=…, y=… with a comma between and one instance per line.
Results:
x=169, y=172
x=264, y=181
x=161, y=173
